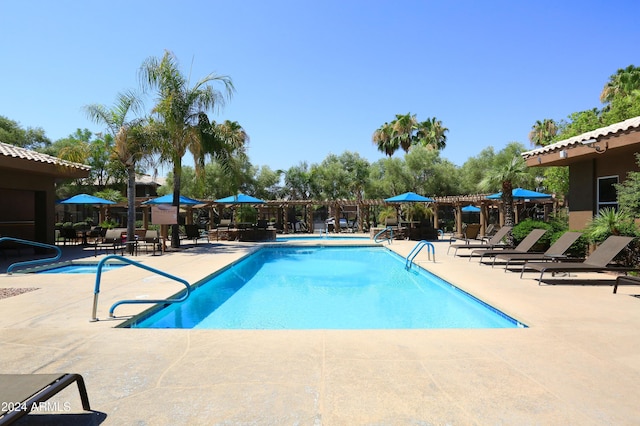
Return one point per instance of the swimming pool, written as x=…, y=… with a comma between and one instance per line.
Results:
x=78, y=268
x=326, y=288
x=317, y=238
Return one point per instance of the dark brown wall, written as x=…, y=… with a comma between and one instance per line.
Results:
x=27, y=203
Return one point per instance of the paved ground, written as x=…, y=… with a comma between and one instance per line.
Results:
x=577, y=363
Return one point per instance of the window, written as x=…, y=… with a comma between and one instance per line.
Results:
x=607, y=194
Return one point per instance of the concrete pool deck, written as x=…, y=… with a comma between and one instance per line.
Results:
x=577, y=363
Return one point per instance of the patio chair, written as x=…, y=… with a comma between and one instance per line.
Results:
x=151, y=240
x=494, y=242
x=523, y=247
x=223, y=227
x=193, y=233
x=555, y=252
x=111, y=240
x=25, y=391
x=598, y=261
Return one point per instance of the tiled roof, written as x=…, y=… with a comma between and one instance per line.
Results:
x=26, y=154
x=623, y=126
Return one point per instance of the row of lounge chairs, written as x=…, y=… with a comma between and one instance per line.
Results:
x=555, y=258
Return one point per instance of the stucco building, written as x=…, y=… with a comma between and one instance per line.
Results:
x=27, y=191
x=597, y=160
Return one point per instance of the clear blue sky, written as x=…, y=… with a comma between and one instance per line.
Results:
x=318, y=77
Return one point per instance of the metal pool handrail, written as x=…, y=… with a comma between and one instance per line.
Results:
x=416, y=249
x=96, y=290
x=35, y=261
x=388, y=239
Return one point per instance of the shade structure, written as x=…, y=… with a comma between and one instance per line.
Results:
x=85, y=199
x=240, y=199
x=470, y=209
x=521, y=194
x=168, y=199
x=408, y=197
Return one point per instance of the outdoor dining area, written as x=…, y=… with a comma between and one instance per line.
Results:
x=242, y=217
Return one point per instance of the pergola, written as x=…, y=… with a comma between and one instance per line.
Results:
x=278, y=208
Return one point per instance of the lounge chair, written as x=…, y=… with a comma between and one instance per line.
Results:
x=112, y=240
x=523, y=247
x=493, y=243
x=598, y=261
x=151, y=240
x=19, y=393
x=625, y=280
x=555, y=252
x=489, y=232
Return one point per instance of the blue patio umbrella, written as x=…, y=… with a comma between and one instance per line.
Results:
x=408, y=197
x=168, y=199
x=521, y=194
x=240, y=199
x=470, y=209
x=85, y=199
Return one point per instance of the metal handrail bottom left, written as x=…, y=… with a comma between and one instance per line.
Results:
x=35, y=261
x=96, y=290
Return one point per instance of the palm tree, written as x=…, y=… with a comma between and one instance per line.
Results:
x=622, y=83
x=130, y=146
x=181, y=111
x=405, y=131
x=383, y=138
x=504, y=176
x=404, y=127
x=543, y=132
x=432, y=133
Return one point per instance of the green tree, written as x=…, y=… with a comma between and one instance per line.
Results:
x=297, y=182
x=473, y=170
x=13, y=134
x=267, y=183
x=430, y=174
x=629, y=192
x=579, y=122
x=130, y=141
x=182, y=115
x=543, y=132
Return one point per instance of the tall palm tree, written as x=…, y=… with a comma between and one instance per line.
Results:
x=622, y=83
x=181, y=110
x=543, y=132
x=504, y=176
x=432, y=133
x=405, y=131
x=383, y=138
x=130, y=145
x=404, y=127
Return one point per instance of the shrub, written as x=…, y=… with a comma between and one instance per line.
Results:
x=522, y=229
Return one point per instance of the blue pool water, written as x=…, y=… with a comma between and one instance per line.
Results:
x=89, y=268
x=323, y=238
x=326, y=288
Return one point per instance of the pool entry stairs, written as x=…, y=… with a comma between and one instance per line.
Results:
x=182, y=297
x=417, y=249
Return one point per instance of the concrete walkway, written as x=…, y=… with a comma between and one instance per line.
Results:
x=577, y=363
